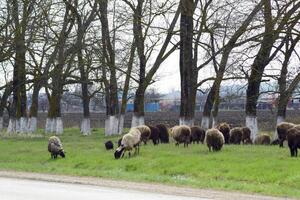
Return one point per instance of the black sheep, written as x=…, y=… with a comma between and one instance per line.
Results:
x=197, y=134
x=109, y=145
x=163, y=133
x=224, y=128
x=282, y=130
x=246, y=136
x=154, y=134
x=293, y=138
x=236, y=135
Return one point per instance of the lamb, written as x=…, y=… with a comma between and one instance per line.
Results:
x=163, y=133
x=282, y=129
x=197, y=134
x=109, y=145
x=293, y=138
x=263, y=139
x=181, y=134
x=214, y=139
x=236, y=135
x=130, y=141
x=224, y=128
x=55, y=147
x=154, y=134
x=246, y=136
x=145, y=133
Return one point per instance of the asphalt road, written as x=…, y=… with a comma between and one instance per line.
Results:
x=19, y=189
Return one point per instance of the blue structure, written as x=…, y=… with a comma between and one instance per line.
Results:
x=149, y=107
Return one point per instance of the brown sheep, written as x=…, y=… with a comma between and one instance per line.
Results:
x=293, y=138
x=224, y=128
x=154, y=134
x=246, y=136
x=263, y=139
x=236, y=135
x=163, y=133
x=145, y=133
x=214, y=139
x=181, y=134
x=197, y=134
x=282, y=129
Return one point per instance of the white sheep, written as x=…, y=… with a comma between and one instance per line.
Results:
x=181, y=134
x=129, y=141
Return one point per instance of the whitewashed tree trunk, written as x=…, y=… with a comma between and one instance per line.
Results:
x=251, y=123
x=18, y=130
x=214, y=122
x=121, y=124
x=11, y=126
x=23, y=125
x=137, y=121
x=278, y=121
x=49, y=122
x=112, y=125
x=184, y=121
x=205, y=122
x=59, y=128
x=86, y=126
x=32, y=124
x=1, y=124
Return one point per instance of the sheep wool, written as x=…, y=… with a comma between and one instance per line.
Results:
x=154, y=136
x=214, y=139
x=55, y=147
x=263, y=139
x=197, y=134
x=282, y=129
x=129, y=141
x=246, y=136
x=293, y=138
x=145, y=133
x=236, y=135
x=181, y=134
x=224, y=128
x=163, y=133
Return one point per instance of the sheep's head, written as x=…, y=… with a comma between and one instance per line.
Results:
x=119, y=152
x=62, y=153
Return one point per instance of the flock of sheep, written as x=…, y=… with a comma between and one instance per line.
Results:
x=215, y=138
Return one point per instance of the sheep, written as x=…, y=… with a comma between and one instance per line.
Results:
x=263, y=139
x=214, y=139
x=246, y=136
x=163, y=133
x=109, y=145
x=275, y=142
x=293, y=138
x=154, y=134
x=224, y=128
x=236, y=135
x=145, y=133
x=282, y=129
x=55, y=147
x=129, y=141
x=197, y=134
x=181, y=134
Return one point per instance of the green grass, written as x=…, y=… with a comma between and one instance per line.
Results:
x=260, y=169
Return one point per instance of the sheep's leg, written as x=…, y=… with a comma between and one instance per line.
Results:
x=123, y=153
x=129, y=154
x=281, y=142
x=296, y=152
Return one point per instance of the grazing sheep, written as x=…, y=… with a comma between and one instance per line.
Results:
x=163, y=133
x=154, y=135
x=224, y=128
x=282, y=129
x=109, y=145
x=55, y=147
x=214, y=139
x=181, y=134
x=293, y=138
x=145, y=133
x=248, y=141
x=197, y=134
x=263, y=139
x=236, y=135
x=129, y=141
x=246, y=136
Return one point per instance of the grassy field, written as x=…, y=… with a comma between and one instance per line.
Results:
x=259, y=169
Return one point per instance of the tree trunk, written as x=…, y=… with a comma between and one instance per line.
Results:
x=32, y=123
x=138, y=109
x=3, y=103
x=188, y=72
x=54, y=122
x=216, y=111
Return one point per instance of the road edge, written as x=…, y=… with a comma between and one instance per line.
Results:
x=145, y=187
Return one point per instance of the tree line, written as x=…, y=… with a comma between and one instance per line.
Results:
x=116, y=47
